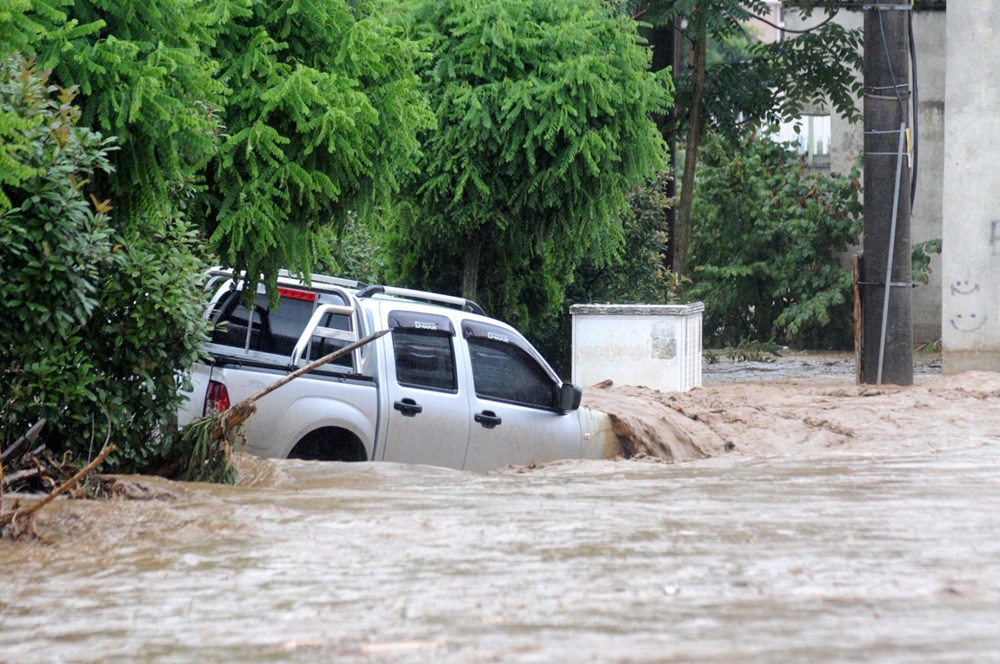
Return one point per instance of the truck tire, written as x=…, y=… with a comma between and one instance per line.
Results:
x=329, y=444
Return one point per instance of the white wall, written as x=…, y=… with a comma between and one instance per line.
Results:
x=657, y=345
x=971, y=202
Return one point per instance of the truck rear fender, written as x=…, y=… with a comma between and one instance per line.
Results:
x=333, y=418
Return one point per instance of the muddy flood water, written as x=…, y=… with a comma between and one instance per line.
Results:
x=836, y=552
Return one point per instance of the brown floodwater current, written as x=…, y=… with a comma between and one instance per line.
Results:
x=831, y=558
x=832, y=552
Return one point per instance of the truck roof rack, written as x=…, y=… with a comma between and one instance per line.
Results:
x=326, y=279
x=424, y=296
x=315, y=279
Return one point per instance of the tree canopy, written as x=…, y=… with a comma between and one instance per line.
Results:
x=142, y=76
x=265, y=123
x=321, y=121
x=543, y=124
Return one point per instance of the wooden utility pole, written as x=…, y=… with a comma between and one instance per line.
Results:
x=886, y=276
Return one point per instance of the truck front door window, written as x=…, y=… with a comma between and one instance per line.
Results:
x=505, y=372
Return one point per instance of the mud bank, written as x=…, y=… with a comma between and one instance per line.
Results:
x=800, y=415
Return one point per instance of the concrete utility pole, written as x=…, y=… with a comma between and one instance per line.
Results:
x=886, y=276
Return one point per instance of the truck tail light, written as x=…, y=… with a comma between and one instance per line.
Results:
x=217, y=398
x=297, y=294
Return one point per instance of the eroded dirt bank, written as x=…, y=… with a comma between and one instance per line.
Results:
x=796, y=416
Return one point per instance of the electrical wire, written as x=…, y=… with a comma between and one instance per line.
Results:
x=888, y=62
x=915, y=114
x=798, y=32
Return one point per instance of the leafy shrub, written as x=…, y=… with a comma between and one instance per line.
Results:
x=97, y=321
x=51, y=244
x=768, y=243
x=921, y=255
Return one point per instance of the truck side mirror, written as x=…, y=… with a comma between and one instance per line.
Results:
x=569, y=397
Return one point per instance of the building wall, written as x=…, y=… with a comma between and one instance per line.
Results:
x=766, y=32
x=971, y=201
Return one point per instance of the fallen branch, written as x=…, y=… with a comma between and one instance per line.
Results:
x=12, y=478
x=12, y=517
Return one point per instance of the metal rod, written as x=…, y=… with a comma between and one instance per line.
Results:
x=892, y=246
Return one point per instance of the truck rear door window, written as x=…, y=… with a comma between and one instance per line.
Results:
x=424, y=351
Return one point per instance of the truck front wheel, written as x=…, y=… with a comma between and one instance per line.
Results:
x=329, y=444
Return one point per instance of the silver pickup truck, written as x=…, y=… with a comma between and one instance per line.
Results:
x=448, y=386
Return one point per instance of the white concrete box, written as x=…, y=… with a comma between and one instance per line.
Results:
x=656, y=345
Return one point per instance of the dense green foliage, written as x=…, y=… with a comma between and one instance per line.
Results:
x=144, y=78
x=141, y=76
x=635, y=274
x=769, y=246
x=543, y=127
x=320, y=107
x=759, y=83
x=51, y=244
x=98, y=319
x=264, y=121
x=321, y=119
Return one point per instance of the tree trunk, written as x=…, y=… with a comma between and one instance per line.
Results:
x=665, y=42
x=470, y=265
x=682, y=240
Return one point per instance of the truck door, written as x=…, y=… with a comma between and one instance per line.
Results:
x=514, y=403
x=428, y=413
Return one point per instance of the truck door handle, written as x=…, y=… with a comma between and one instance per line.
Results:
x=488, y=419
x=408, y=407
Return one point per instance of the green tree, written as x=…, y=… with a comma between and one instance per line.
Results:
x=769, y=244
x=771, y=82
x=321, y=119
x=139, y=73
x=542, y=129
x=143, y=76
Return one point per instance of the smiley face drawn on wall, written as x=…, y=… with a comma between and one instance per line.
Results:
x=968, y=322
x=964, y=288
x=964, y=291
